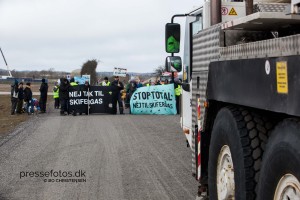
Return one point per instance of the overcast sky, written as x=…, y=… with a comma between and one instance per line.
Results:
x=63, y=34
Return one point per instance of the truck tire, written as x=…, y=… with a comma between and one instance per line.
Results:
x=237, y=144
x=280, y=174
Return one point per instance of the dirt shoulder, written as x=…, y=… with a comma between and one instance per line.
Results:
x=7, y=121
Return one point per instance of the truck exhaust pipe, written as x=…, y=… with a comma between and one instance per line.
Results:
x=249, y=7
x=215, y=12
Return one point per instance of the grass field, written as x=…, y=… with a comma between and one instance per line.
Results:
x=7, y=121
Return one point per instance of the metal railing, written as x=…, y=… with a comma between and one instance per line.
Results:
x=285, y=46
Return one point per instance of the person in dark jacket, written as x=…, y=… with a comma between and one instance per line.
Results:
x=14, y=96
x=64, y=96
x=131, y=88
x=118, y=86
x=20, y=99
x=43, y=97
x=28, y=98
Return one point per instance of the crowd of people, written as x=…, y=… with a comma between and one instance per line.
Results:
x=22, y=100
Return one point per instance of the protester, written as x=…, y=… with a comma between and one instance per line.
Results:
x=20, y=99
x=14, y=96
x=139, y=84
x=118, y=85
x=28, y=98
x=56, y=95
x=105, y=82
x=64, y=96
x=43, y=96
x=158, y=82
x=131, y=88
x=166, y=82
x=72, y=82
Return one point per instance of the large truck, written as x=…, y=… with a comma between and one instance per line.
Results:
x=240, y=104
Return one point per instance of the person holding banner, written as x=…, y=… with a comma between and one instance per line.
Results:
x=130, y=89
x=64, y=96
x=118, y=85
x=105, y=82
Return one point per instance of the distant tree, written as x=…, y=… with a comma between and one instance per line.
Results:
x=89, y=68
x=159, y=70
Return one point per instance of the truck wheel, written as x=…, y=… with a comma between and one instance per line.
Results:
x=280, y=174
x=237, y=144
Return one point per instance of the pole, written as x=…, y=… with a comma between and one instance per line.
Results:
x=88, y=100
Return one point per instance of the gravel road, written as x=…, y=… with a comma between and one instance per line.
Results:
x=120, y=156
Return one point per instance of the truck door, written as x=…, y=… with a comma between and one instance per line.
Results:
x=193, y=26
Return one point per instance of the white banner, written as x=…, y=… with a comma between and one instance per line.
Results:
x=120, y=72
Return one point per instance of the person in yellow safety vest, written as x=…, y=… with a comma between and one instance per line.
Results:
x=105, y=82
x=56, y=95
x=72, y=82
x=178, y=91
x=149, y=83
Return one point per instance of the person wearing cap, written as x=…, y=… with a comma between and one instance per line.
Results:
x=118, y=87
x=105, y=82
x=43, y=95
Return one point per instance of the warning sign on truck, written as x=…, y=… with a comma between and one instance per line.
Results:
x=232, y=12
x=224, y=11
x=282, y=77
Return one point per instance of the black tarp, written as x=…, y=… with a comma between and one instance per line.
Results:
x=99, y=98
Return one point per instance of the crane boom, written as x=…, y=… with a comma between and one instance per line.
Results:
x=6, y=63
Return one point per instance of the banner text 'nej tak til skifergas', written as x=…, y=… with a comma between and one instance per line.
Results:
x=99, y=98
